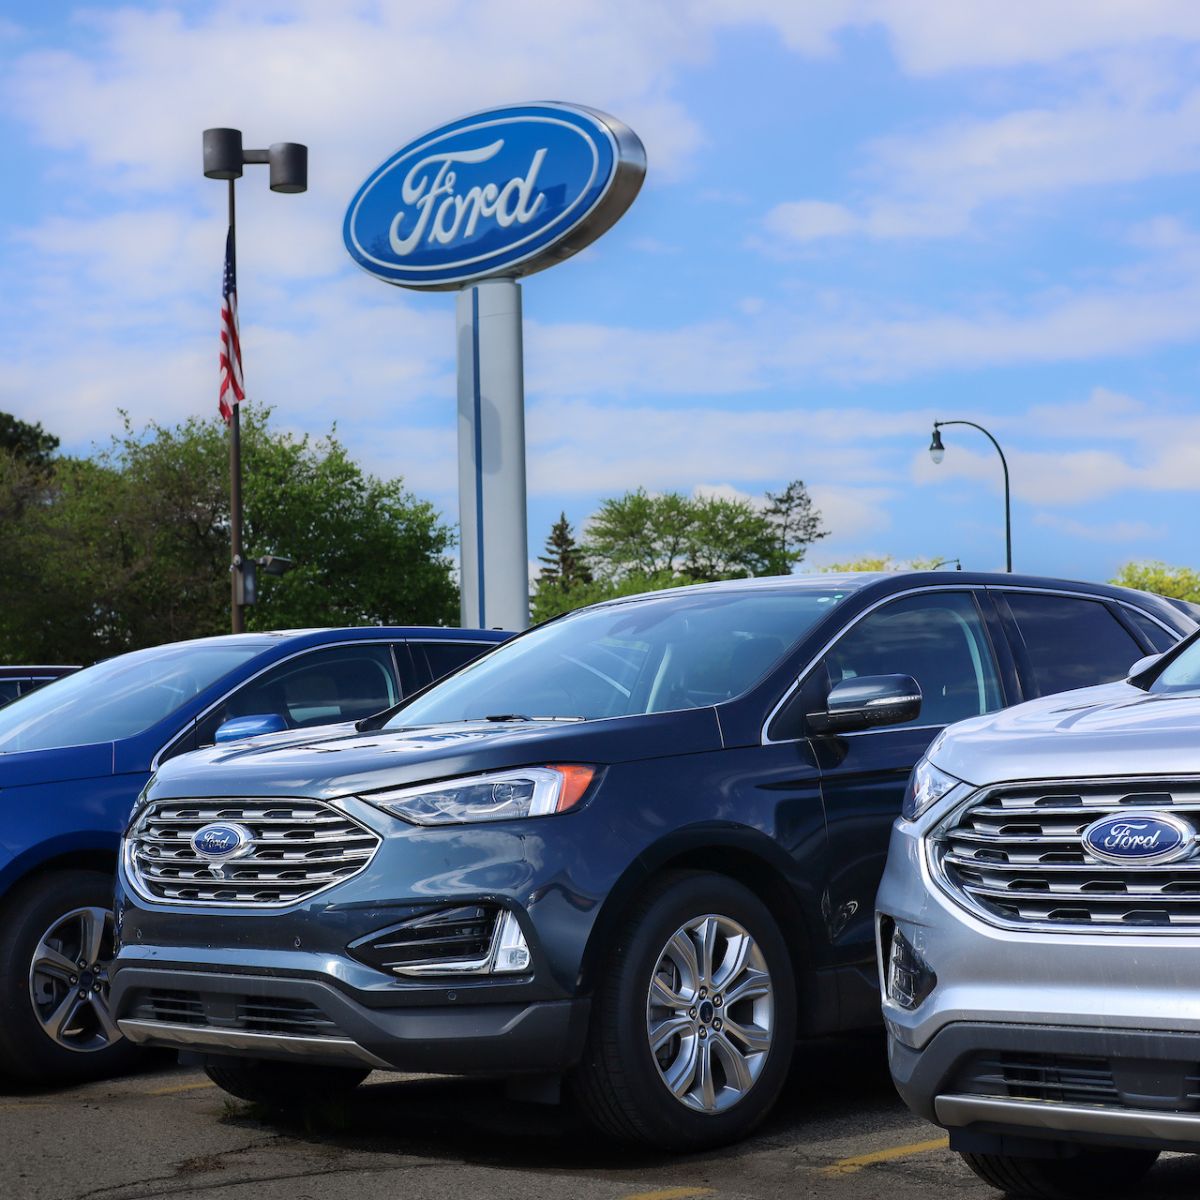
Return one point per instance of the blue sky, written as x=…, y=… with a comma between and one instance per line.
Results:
x=859, y=215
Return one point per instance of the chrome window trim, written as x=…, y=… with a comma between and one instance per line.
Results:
x=961, y=587
x=764, y=740
x=452, y=641
x=156, y=761
x=1120, y=600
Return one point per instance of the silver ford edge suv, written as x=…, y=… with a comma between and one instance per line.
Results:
x=1039, y=934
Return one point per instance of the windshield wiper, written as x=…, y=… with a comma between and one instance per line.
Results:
x=520, y=717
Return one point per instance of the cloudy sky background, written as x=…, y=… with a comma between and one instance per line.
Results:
x=859, y=215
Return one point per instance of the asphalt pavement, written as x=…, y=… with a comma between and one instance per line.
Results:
x=839, y=1132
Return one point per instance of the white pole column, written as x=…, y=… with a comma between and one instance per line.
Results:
x=491, y=457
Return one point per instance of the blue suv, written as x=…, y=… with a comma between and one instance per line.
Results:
x=73, y=758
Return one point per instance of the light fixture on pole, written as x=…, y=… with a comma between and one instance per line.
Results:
x=224, y=158
x=937, y=452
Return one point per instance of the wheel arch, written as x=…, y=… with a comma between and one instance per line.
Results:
x=70, y=853
x=739, y=853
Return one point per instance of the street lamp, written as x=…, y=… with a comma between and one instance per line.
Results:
x=224, y=158
x=938, y=452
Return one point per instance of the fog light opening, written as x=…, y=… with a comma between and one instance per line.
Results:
x=910, y=979
x=512, y=951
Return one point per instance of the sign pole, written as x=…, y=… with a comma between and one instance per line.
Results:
x=235, y=470
x=491, y=456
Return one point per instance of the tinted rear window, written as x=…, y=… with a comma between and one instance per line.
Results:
x=1071, y=643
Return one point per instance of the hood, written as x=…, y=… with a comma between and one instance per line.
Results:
x=339, y=761
x=1116, y=729
x=24, y=768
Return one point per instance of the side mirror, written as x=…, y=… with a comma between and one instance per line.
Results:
x=868, y=702
x=1142, y=664
x=237, y=728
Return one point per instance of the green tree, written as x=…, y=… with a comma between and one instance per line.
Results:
x=564, y=571
x=28, y=442
x=881, y=562
x=1180, y=583
x=797, y=523
x=130, y=548
x=705, y=538
x=553, y=601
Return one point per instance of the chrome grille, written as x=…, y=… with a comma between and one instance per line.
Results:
x=1016, y=855
x=300, y=848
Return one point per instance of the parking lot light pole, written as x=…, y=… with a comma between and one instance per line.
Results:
x=937, y=452
x=224, y=158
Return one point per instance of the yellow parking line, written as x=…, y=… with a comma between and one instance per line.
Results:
x=848, y=1166
x=680, y=1193
x=183, y=1087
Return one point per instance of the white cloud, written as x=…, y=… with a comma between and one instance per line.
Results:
x=1112, y=531
x=1143, y=450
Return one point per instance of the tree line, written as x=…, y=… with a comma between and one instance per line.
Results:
x=642, y=541
x=129, y=547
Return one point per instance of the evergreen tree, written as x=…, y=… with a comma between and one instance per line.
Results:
x=564, y=574
x=29, y=443
x=797, y=524
x=564, y=564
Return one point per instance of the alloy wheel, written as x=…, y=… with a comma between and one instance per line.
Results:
x=710, y=1013
x=68, y=980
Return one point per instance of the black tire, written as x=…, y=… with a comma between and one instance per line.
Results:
x=619, y=1085
x=88, y=1047
x=282, y=1086
x=1090, y=1173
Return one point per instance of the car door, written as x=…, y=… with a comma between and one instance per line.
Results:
x=1063, y=642
x=941, y=639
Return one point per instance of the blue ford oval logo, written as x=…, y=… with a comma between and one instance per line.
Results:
x=504, y=192
x=1139, y=837
x=222, y=841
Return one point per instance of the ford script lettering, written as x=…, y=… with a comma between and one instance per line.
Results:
x=505, y=192
x=1144, y=837
x=446, y=220
x=221, y=841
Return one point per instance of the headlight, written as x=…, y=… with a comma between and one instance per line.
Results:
x=500, y=796
x=926, y=785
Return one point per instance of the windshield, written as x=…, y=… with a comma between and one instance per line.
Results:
x=1183, y=675
x=118, y=698
x=668, y=652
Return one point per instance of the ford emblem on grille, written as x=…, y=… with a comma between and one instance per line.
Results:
x=221, y=841
x=1139, y=837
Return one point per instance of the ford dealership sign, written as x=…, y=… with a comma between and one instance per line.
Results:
x=501, y=193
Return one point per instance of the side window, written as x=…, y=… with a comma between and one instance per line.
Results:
x=337, y=683
x=1161, y=639
x=444, y=657
x=937, y=638
x=10, y=689
x=1070, y=642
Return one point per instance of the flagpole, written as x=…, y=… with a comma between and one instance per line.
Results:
x=224, y=157
x=235, y=468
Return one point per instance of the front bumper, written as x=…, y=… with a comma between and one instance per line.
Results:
x=1031, y=1035
x=305, y=980
x=990, y=1084
x=295, y=1018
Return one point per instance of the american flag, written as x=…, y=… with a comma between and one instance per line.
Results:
x=232, y=388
